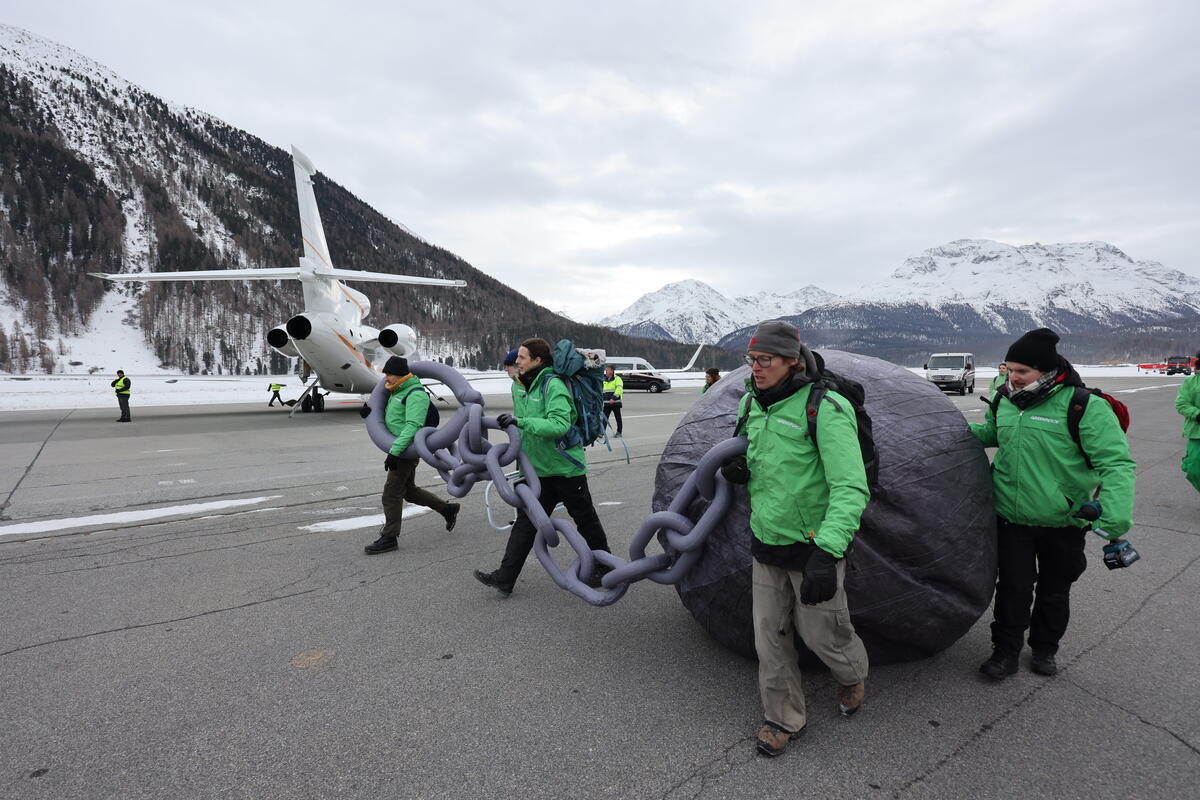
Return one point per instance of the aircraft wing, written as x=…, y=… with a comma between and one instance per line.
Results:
x=268, y=274
x=383, y=277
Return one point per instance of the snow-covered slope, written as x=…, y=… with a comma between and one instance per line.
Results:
x=694, y=312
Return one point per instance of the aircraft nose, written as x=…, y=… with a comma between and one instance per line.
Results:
x=299, y=327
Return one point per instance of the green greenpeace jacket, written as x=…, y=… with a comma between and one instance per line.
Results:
x=405, y=417
x=542, y=424
x=997, y=382
x=801, y=491
x=1187, y=402
x=1039, y=476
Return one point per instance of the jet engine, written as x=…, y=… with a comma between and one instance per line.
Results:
x=277, y=337
x=399, y=340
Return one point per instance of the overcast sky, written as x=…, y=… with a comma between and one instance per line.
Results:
x=587, y=153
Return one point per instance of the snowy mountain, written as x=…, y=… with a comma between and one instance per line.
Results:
x=98, y=175
x=981, y=293
x=694, y=312
x=1064, y=286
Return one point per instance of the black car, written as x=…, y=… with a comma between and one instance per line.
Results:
x=1179, y=364
x=637, y=373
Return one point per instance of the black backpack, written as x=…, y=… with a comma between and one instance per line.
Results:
x=432, y=417
x=854, y=393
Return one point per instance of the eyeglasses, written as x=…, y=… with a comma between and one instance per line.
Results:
x=762, y=361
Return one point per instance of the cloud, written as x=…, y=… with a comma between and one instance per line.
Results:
x=597, y=152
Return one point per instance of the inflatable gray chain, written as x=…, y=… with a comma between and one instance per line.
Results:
x=461, y=453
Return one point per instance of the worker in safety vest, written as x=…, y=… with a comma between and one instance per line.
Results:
x=121, y=385
x=274, y=389
x=614, y=387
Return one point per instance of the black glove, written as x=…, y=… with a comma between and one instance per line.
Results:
x=365, y=411
x=736, y=470
x=820, y=578
x=391, y=462
x=506, y=419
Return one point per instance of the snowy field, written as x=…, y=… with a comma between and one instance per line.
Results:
x=19, y=392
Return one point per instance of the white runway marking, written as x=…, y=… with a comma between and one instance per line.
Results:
x=1146, y=388
x=644, y=416
x=47, y=525
x=357, y=523
x=610, y=503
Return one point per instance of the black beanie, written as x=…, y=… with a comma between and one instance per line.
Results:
x=396, y=366
x=1035, y=349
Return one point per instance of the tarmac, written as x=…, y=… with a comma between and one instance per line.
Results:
x=253, y=650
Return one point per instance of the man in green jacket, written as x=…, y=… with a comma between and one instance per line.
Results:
x=806, y=499
x=406, y=408
x=1187, y=403
x=1040, y=478
x=998, y=381
x=543, y=411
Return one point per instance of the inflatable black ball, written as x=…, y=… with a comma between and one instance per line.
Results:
x=922, y=566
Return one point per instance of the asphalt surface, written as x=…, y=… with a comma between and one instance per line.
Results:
x=234, y=653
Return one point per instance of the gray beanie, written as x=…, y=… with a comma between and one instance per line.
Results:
x=777, y=337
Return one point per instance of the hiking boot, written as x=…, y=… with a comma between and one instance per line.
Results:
x=850, y=698
x=1043, y=664
x=383, y=544
x=451, y=515
x=489, y=579
x=1000, y=665
x=772, y=739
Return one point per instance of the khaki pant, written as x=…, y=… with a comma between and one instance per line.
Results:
x=400, y=486
x=825, y=628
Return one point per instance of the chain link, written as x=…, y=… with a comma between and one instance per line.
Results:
x=461, y=453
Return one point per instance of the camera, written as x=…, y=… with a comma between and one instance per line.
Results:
x=1119, y=554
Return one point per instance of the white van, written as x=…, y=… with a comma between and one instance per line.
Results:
x=951, y=371
x=637, y=373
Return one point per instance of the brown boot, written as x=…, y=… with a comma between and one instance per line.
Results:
x=772, y=739
x=850, y=698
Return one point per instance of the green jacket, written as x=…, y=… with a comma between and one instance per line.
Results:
x=542, y=424
x=405, y=417
x=616, y=386
x=1039, y=476
x=801, y=491
x=997, y=382
x=1187, y=402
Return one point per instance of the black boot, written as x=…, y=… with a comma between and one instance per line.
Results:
x=489, y=579
x=451, y=515
x=1043, y=664
x=383, y=544
x=1000, y=665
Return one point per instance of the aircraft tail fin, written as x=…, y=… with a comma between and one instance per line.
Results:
x=312, y=232
x=690, y=365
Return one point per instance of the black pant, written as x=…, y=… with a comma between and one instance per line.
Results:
x=572, y=493
x=616, y=412
x=401, y=486
x=275, y=397
x=1050, y=559
x=123, y=402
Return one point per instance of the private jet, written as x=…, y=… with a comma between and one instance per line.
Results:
x=328, y=335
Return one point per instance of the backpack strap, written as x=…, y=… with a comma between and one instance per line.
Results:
x=741, y=423
x=994, y=403
x=1079, y=401
x=562, y=451
x=820, y=391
